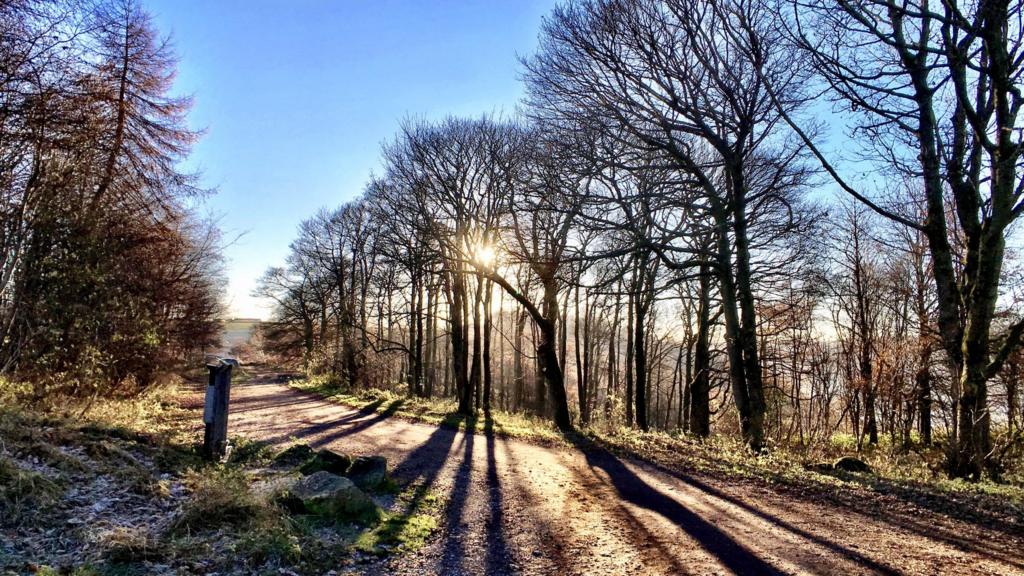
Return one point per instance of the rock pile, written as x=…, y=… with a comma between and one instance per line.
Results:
x=333, y=484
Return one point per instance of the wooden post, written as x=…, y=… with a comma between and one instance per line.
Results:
x=215, y=412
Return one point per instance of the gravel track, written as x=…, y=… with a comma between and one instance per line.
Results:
x=520, y=508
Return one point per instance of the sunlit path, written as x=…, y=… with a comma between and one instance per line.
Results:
x=519, y=508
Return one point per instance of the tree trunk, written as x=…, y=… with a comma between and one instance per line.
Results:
x=581, y=384
x=460, y=348
x=476, y=368
x=430, y=369
x=640, y=359
x=700, y=387
x=414, y=345
x=747, y=334
x=613, y=363
x=518, y=374
x=488, y=322
x=629, y=360
x=733, y=336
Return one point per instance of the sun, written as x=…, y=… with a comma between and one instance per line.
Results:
x=484, y=254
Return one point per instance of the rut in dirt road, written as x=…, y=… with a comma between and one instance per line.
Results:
x=519, y=508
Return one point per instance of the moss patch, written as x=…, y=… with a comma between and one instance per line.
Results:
x=407, y=528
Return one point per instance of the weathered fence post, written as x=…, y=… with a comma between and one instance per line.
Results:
x=215, y=411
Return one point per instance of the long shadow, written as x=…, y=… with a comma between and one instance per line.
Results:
x=834, y=547
x=321, y=427
x=598, y=456
x=422, y=467
x=917, y=495
x=634, y=490
x=648, y=544
x=967, y=541
x=454, y=550
x=546, y=536
x=912, y=494
x=338, y=427
x=923, y=529
x=498, y=554
x=317, y=428
x=425, y=463
x=924, y=526
x=263, y=403
x=360, y=425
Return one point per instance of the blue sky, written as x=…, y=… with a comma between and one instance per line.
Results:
x=297, y=95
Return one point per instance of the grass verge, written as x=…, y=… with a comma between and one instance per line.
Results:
x=912, y=478
x=439, y=412
x=121, y=484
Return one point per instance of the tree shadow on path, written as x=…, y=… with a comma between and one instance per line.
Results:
x=498, y=553
x=915, y=525
x=423, y=465
x=454, y=550
x=733, y=555
x=340, y=427
x=461, y=520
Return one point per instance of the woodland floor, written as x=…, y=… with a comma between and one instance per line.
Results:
x=519, y=508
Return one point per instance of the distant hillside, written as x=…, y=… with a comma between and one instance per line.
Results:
x=243, y=320
x=238, y=331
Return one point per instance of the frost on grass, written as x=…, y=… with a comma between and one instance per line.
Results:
x=122, y=490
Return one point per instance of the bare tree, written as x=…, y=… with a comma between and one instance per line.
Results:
x=934, y=93
x=668, y=75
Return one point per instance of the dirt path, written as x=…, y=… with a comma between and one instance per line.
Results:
x=518, y=508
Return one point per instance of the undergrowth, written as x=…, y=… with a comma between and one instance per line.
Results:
x=220, y=496
x=222, y=517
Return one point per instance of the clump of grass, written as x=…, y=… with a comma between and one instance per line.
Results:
x=53, y=456
x=294, y=456
x=223, y=497
x=249, y=451
x=24, y=492
x=397, y=532
x=175, y=457
x=220, y=497
x=14, y=392
x=132, y=544
x=17, y=427
x=147, y=425
x=388, y=486
x=76, y=571
x=104, y=432
x=274, y=543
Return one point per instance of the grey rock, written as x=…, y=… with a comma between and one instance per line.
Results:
x=327, y=461
x=368, y=472
x=294, y=455
x=330, y=495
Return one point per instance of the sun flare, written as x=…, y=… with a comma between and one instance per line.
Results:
x=485, y=255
